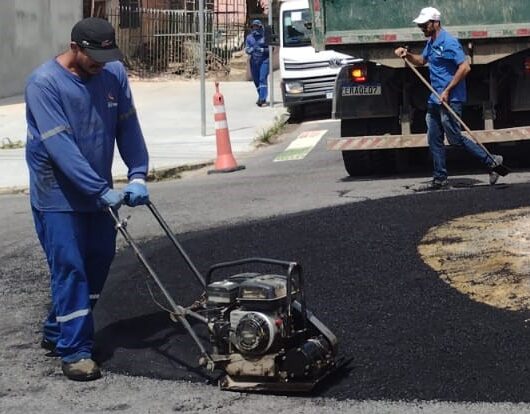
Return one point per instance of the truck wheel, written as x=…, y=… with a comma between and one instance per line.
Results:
x=362, y=163
x=359, y=163
x=356, y=162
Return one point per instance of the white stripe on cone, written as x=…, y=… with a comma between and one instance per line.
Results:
x=221, y=125
x=218, y=109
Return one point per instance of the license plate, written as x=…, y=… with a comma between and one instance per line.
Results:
x=359, y=90
x=329, y=95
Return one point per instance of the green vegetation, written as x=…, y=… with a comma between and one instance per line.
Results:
x=267, y=137
x=168, y=173
x=6, y=143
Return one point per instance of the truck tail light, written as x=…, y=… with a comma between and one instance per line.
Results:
x=527, y=66
x=359, y=73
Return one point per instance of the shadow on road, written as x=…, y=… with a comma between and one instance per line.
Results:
x=408, y=334
x=155, y=342
x=310, y=112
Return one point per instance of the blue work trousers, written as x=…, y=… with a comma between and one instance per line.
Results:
x=79, y=248
x=439, y=123
x=259, y=68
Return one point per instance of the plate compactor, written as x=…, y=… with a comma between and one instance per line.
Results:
x=262, y=336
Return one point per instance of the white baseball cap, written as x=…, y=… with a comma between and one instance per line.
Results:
x=426, y=14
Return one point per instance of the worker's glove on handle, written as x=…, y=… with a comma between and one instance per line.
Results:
x=136, y=193
x=111, y=198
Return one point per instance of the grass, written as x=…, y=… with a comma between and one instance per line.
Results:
x=155, y=175
x=267, y=136
x=8, y=144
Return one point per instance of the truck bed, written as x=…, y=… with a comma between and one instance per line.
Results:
x=380, y=21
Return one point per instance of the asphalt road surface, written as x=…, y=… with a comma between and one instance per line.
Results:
x=416, y=344
x=409, y=334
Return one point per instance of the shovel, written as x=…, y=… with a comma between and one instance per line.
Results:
x=499, y=169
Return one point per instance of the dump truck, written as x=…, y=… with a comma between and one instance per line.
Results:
x=381, y=103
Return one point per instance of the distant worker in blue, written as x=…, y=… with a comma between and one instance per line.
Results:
x=448, y=68
x=78, y=105
x=258, y=50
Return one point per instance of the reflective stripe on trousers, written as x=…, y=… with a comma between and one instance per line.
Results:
x=260, y=72
x=79, y=248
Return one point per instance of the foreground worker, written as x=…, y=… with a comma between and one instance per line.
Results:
x=258, y=50
x=78, y=105
x=448, y=68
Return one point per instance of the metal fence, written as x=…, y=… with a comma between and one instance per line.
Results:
x=159, y=42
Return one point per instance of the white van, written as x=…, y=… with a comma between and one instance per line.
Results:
x=307, y=76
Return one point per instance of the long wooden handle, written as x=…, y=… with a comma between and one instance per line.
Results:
x=451, y=111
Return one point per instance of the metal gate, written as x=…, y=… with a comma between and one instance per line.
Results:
x=159, y=42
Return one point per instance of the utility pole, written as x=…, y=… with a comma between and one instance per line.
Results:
x=202, y=70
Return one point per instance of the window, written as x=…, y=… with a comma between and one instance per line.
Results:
x=297, y=28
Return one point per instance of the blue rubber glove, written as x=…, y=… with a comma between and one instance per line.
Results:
x=136, y=193
x=111, y=198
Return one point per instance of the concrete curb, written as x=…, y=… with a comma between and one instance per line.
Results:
x=175, y=172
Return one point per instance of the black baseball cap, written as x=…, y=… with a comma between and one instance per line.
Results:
x=98, y=38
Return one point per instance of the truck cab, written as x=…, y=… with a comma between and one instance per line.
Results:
x=307, y=76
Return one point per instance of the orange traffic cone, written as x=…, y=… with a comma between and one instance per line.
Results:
x=225, y=161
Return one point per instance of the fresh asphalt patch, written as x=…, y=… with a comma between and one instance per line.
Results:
x=408, y=334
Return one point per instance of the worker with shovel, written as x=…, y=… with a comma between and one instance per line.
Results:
x=448, y=68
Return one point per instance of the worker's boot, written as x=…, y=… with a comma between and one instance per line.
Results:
x=49, y=346
x=494, y=176
x=83, y=370
x=435, y=184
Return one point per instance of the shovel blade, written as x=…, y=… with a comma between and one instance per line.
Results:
x=502, y=170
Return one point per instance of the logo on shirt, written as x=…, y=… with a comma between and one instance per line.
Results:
x=111, y=101
x=438, y=50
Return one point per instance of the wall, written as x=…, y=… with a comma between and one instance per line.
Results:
x=32, y=31
x=232, y=11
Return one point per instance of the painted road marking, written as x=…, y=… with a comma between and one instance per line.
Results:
x=301, y=146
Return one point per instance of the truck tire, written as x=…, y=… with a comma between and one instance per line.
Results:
x=369, y=162
x=356, y=163
x=362, y=163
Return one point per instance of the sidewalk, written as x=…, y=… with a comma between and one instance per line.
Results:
x=170, y=116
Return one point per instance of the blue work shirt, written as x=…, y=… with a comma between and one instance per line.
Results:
x=444, y=54
x=73, y=123
x=255, y=45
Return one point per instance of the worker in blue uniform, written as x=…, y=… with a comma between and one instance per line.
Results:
x=258, y=50
x=448, y=68
x=78, y=105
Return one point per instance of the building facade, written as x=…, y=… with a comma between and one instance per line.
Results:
x=32, y=31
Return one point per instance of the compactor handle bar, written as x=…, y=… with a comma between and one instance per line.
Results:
x=176, y=243
x=178, y=311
